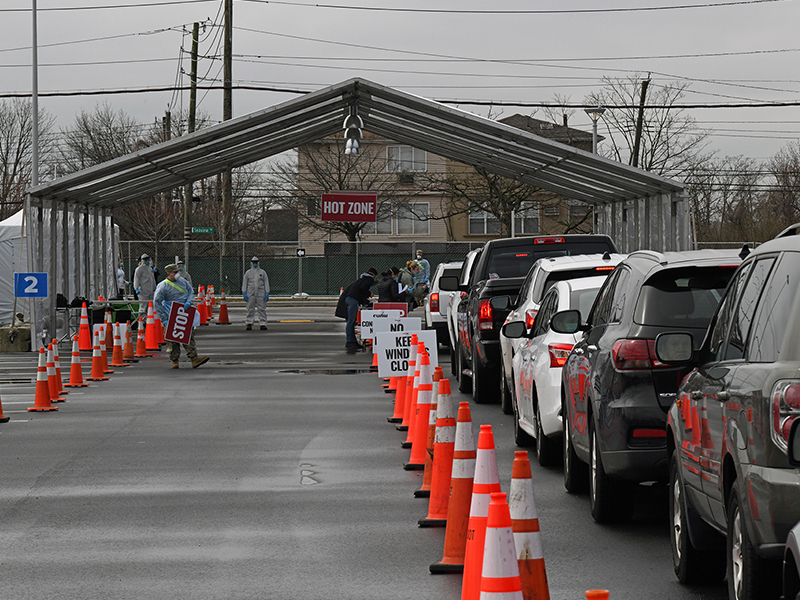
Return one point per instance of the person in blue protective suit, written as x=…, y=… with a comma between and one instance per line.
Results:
x=255, y=289
x=176, y=289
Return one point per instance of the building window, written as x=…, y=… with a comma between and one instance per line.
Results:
x=482, y=222
x=413, y=219
x=382, y=226
x=526, y=219
x=406, y=158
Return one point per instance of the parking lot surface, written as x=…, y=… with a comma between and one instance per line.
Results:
x=270, y=472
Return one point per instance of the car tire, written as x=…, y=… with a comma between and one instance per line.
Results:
x=521, y=437
x=692, y=566
x=750, y=577
x=464, y=382
x=576, y=473
x=610, y=500
x=506, y=401
x=483, y=385
x=546, y=450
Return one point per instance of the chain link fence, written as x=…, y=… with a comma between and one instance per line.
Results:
x=325, y=268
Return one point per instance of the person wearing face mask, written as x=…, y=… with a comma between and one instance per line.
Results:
x=121, y=283
x=144, y=284
x=389, y=287
x=183, y=272
x=255, y=289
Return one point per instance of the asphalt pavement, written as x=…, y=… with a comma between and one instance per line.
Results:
x=269, y=472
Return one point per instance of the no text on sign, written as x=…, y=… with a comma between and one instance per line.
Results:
x=30, y=285
x=356, y=207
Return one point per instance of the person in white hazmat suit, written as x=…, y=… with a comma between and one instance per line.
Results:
x=144, y=284
x=183, y=272
x=255, y=289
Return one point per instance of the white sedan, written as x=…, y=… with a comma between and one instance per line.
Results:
x=536, y=367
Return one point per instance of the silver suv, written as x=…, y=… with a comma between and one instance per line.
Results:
x=733, y=494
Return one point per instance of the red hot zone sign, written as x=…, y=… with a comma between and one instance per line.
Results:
x=360, y=207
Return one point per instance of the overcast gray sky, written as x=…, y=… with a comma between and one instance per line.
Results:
x=732, y=52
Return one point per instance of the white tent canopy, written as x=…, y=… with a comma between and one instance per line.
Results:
x=13, y=259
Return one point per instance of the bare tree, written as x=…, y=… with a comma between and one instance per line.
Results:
x=16, y=151
x=670, y=140
x=324, y=167
x=784, y=198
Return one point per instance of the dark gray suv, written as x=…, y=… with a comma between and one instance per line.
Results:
x=733, y=494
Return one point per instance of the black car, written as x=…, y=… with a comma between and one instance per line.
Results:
x=615, y=393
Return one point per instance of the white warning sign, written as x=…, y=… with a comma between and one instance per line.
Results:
x=394, y=350
x=368, y=318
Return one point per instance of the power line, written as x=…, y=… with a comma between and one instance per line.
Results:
x=106, y=6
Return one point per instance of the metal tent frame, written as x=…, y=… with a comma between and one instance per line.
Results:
x=73, y=216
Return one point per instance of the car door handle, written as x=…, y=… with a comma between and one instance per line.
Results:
x=723, y=395
x=591, y=348
x=577, y=351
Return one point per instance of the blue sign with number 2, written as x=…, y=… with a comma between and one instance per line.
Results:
x=30, y=285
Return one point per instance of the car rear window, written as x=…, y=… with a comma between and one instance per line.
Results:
x=682, y=298
x=555, y=276
x=582, y=300
x=517, y=261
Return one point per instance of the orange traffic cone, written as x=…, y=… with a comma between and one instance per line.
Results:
x=76, y=371
x=461, y=476
x=525, y=524
x=212, y=296
x=3, y=418
x=116, y=356
x=127, y=347
x=85, y=331
x=419, y=436
x=201, y=306
x=374, y=367
x=109, y=333
x=223, y=311
x=159, y=329
x=42, y=399
x=103, y=353
x=392, y=387
x=596, y=594
x=399, y=401
x=486, y=481
x=150, y=335
x=209, y=307
x=409, y=412
x=52, y=384
x=412, y=369
x=442, y=464
x=97, y=373
x=141, y=349
x=500, y=574
x=412, y=419
x=57, y=362
x=425, y=490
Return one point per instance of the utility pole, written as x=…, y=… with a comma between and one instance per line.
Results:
x=227, y=113
x=187, y=189
x=638, y=139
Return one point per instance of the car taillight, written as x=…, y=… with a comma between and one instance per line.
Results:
x=530, y=317
x=630, y=355
x=604, y=268
x=435, y=302
x=785, y=409
x=485, y=315
x=558, y=354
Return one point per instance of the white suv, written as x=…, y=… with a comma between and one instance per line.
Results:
x=542, y=275
x=437, y=301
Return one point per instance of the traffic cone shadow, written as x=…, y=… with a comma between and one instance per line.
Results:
x=499, y=571
x=486, y=481
x=525, y=524
x=458, y=507
x=41, y=401
x=442, y=465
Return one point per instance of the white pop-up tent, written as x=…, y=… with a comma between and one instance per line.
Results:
x=13, y=259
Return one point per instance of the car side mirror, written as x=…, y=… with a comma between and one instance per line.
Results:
x=500, y=302
x=566, y=321
x=515, y=330
x=675, y=348
x=794, y=444
x=448, y=283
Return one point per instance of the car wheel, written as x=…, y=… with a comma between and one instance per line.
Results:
x=464, y=382
x=749, y=576
x=610, y=500
x=506, y=401
x=483, y=389
x=521, y=437
x=545, y=448
x=691, y=565
x=576, y=474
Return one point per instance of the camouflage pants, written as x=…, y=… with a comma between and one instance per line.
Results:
x=174, y=349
